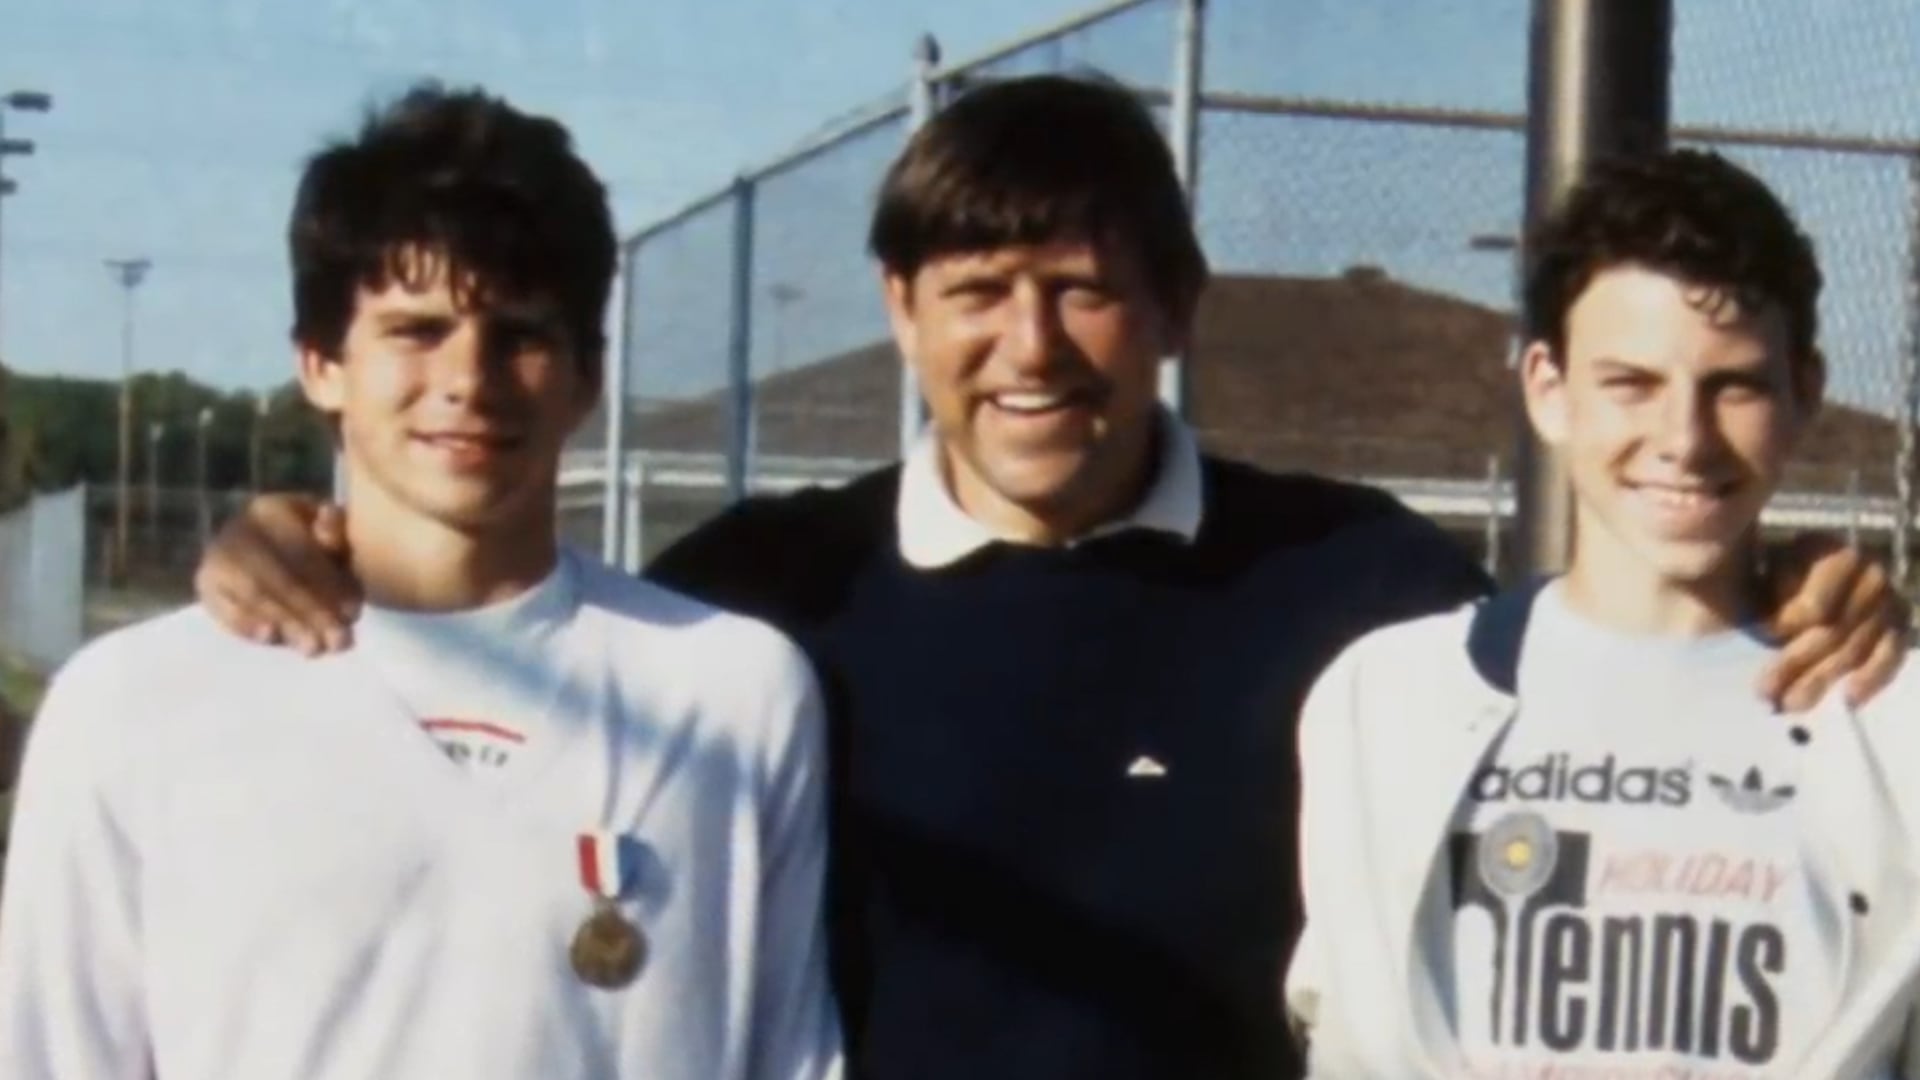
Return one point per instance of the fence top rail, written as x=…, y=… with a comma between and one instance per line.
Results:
x=887, y=110
x=1046, y=33
x=862, y=122
x=1324, y=108
x=705, y=202
x=883, y=111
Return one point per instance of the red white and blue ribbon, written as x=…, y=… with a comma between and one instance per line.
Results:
x=606, y=863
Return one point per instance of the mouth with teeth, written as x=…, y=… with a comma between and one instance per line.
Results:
x=1692, y=503
x=463, y=449
x=1036, y=402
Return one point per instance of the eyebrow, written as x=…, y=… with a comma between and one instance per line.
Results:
x=1090, y=276
x=972, y=276
x=1756, y=368
x=1621, y=365
x=392, y=317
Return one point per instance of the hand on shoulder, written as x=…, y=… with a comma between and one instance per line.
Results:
x=277, y=573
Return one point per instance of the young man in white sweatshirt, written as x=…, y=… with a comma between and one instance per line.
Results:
x=547, y=821
x=1552, y=833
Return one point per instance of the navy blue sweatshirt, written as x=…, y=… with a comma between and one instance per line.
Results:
x=1064, y=806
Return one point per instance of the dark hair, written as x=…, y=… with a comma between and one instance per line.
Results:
x=1037, y=159
x=1688, y=213
x=498, y=194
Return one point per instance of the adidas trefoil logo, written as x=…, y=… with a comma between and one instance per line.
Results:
x=1751, y=795
x=1146, y=767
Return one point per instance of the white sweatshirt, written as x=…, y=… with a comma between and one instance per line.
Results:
x=1405, y=725
x=233, y=862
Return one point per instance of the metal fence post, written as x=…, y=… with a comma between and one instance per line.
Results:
x=1598, y=83
x=614, y=398
x=921, y=104
x=634, y=550
x=1854, y=507
x=1183, y=132
x=1909, y=414
x=740, y=344
x=1496, y=516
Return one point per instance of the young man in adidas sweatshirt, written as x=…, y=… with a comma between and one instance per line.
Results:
x=1063, y=649
x=1553, y=833
x=546, y=821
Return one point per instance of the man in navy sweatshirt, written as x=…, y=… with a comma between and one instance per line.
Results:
x=1063, y=649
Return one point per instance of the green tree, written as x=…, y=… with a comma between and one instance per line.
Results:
x=62, y=431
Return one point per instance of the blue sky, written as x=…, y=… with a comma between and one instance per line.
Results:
x=180, y=125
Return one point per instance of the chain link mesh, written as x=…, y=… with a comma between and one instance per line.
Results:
x=1827, y=87
x=826, y=379
x=678, y=390
x=1360, y=192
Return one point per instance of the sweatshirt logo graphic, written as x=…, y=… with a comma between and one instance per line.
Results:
x=1751, y=794
x=1557, y=777
x=1569, y=979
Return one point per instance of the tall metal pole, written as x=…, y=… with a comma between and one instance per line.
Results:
x=202, y=481
x=1496, y=516
x=1598, y=84
x=921, y=91
x=614, y=399
x=153, y=483
x=1183, y=134
x=256, y=442
x=129, y=273
x=739, y=449
x=1909, y=415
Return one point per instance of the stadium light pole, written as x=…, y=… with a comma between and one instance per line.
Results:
x=256, y=440
x=16, y=101
x=205, y=502
x=784, y=295
x=201, y=422
x=1598, y=83
x=129, y=273
x=154, y=431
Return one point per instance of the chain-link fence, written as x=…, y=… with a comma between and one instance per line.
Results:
x=1818, y=99
x=1357, y=168
x=756, y=355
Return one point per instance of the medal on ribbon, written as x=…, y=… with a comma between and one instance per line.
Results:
x=608, y=950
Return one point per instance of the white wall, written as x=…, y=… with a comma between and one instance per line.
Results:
x=43, y=554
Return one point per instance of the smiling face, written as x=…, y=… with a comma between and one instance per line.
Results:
x=1039, y=367
x=452, y=410
x=1675, y=411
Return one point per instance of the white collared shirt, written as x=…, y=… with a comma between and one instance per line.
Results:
x=936, y=532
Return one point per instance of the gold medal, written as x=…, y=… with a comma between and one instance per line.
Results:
x=608, y=951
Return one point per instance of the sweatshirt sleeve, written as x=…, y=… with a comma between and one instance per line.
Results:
x=71, y=1000
x=1313, y=997
x=796, y=1030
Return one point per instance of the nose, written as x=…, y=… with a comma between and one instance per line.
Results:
x=1686, y=425
x=1030, y=342
x=462, y=362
